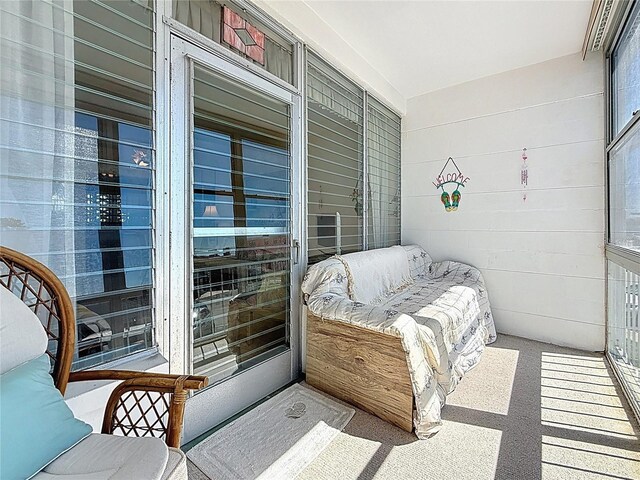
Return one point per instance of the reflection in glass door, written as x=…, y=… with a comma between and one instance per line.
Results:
x=241, y=215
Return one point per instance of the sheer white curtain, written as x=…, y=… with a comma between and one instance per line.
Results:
x=201, y=15
x=278, y=60
x=37, y=132
x=323, y=90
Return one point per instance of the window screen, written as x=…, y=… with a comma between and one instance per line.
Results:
x=383, y=173
x=625, y=77
x=623, y=161
x=77, y=160
x=335, y=162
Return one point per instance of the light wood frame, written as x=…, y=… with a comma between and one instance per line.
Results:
x=365, y=368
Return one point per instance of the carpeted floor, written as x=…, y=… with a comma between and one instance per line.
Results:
x=529, y=410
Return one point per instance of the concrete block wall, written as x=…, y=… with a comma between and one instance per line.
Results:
x=542, y=258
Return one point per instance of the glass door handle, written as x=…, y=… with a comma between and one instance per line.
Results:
x=296, y=247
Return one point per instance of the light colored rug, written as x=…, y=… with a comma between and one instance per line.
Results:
x=277, y=439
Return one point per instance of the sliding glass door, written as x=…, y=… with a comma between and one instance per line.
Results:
x=233, y=209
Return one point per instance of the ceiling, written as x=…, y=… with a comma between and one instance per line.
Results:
x=421, y=46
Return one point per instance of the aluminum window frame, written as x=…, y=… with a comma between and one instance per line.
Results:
x=180, y=331
x=159, y=340
x=182, y=30
x=165, y=28
x=612, y=140
x=367, y=95
x=624, y=257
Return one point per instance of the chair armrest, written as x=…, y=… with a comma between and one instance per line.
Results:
x=192, y=382
x=145, y=404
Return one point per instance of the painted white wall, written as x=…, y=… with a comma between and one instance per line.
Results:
x=423, y=46
x=542, y=259
x=305, y=23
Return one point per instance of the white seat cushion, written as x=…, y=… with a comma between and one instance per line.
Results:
x=110, y=457
x=22, y=337
x=176, y=466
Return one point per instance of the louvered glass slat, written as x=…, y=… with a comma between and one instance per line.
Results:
x=335, y=161
x=78, y=162
x=241, y=215
x=383, y=157
x=625, y=73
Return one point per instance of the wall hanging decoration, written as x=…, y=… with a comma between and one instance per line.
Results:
x=524, y=174
x=243, y=36
x=356, y=198
x=139, y=157
x=452, y=201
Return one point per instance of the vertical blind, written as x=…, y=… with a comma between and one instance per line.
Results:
x=335, y=161
x=383, y=173
x=77, y=160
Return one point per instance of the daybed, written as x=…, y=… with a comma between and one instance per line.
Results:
x=392, y=332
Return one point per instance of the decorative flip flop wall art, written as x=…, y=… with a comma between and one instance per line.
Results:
x=450, y=202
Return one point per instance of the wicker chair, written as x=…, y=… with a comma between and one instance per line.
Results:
x=144, y=404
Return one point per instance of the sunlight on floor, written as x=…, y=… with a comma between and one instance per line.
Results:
x=528, y=410
x=562, y=458
x=598, y=408
x=580, y=406
x=489, y=396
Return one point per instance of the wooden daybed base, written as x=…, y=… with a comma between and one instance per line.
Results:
x=365, y=368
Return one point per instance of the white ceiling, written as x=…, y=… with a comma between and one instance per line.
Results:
x=421, y=46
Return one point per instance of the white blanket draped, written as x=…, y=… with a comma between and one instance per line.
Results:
x=442, y=317
x=374, y=275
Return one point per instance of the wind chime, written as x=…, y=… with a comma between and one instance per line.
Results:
x=524, y=174
x=452, y=201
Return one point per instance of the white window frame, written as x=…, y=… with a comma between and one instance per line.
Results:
x=626, y=258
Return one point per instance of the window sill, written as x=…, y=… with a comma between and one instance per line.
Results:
x=149, y=362
x=88, y=400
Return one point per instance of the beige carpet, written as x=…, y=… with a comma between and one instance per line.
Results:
x=528, y=411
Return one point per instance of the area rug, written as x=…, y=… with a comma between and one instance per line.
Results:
x=277, y=439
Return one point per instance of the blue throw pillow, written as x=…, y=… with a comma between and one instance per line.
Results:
x=36, y=425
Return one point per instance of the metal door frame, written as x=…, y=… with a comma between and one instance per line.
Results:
x=230, y=395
